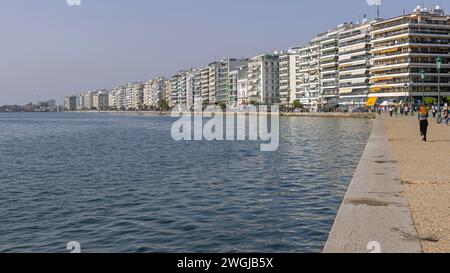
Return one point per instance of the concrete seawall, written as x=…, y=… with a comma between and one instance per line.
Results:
x=373, y=214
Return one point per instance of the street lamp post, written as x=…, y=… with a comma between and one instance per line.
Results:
x=439, y=66
x=411, y=100
x=422, y=77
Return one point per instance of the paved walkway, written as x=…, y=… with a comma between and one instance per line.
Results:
x=373, y=215
x=424, y=169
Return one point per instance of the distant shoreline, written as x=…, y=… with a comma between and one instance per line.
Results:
x=302, y=114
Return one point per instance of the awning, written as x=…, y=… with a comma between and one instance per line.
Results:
x=371, y=102
x=387, y=50
x=374, y=89
x=345, y=90
x=382, y=79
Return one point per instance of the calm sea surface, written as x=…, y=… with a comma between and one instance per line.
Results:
x=119, y=183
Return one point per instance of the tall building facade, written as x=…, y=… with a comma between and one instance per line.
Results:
x=263, y=79
x=204, y=84
x=100, y=100
x=354, y=66
x=405, y=46
x=154, y=92
x=284, y=78
x=70, y=103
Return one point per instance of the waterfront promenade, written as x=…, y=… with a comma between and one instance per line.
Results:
x=374, y=216
x=424, y=168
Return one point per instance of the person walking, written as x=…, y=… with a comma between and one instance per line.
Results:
x=423, y=122
x=446, y=117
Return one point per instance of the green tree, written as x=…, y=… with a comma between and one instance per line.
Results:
x=430, y=101
x=164, y=105
x=297, y=104
x=223, y=106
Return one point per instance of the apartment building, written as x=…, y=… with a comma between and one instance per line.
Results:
x=284, y=77
x=133, y=97
x=354, y=66
x=232, y=87
x=405, y=46
x=178, y=85
x=204, y=84
x=222, y=69
x=116, y=98
x=100, y=100
x=148, y=94
x=86, y=101
x=190, y=87
x=70, y=103
x=242, y=85
x=263, y=79
x=197, y=88
x=168, y=92
x=154, y=92
x=312, y=96
x=299, y=74
x=329, y=68
x=212, y=82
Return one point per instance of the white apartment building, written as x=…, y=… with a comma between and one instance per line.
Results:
x=329, y=83
x=204, y=84
x=232, y=87
x=285, y=89
x=263, y=79
x=154, y=92
x=112, y=102
x=406, y=47
x=116, y=98
x=178, y=84
x=354, y=66
x=190, y=87
x=212, y=82
x=70, y=103
x=242, y=86
x=137, y=96
x=100, y=100
x=223, y=69
x=168, y=92
x=299, y=76
x=87, y=101
x=314, y=71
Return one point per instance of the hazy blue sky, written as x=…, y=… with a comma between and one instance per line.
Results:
x=52, y=49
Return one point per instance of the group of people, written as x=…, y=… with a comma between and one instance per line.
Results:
x=403, y=110
x=423, y=112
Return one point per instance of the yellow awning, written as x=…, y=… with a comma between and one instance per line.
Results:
x=387, y=50
x=345, y=90
x=371, y=102
x=381, y=79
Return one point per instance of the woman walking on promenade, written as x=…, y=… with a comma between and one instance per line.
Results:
x=423, y=122
x=446, y=118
